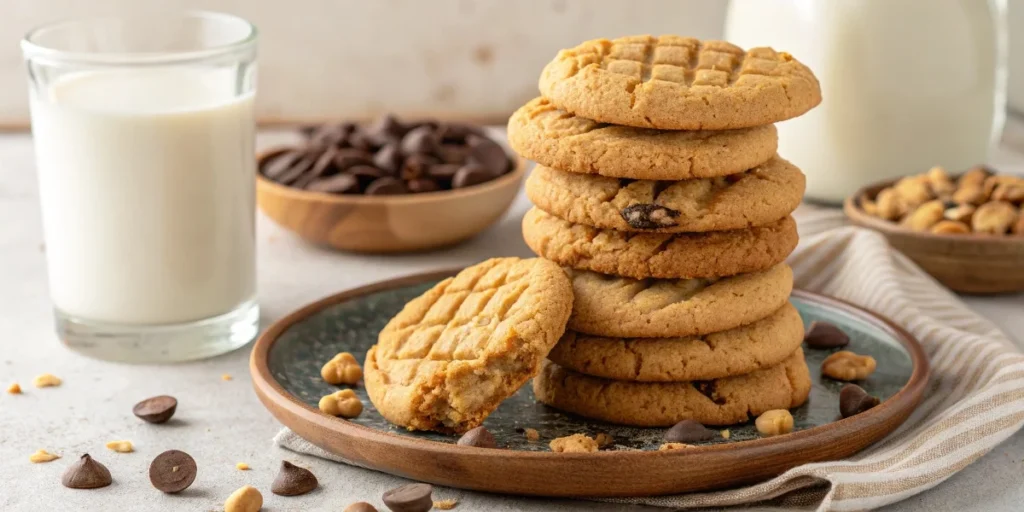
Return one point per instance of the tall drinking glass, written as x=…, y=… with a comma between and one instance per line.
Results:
x=144, y=132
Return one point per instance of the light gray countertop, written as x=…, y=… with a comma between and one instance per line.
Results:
x=222, y=423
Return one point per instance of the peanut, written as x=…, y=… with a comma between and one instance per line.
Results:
x=940, y=182
x=994, y=218
x=46, y=380
x=950, y=227
x=121, y=446
x=847, y=366
x=925, y=216
x=342, y=403
x=576, y=443
x=245, y=499
x=342, y=369
x=774, y=422
x=41, y=456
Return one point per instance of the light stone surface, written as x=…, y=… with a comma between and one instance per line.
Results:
x=221, y=423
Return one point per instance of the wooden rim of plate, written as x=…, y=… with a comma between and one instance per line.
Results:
x=599, y=474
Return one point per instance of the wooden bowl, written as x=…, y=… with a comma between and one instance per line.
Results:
x=389, y=223
x=967, y=263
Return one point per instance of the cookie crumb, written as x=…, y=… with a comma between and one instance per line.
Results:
x=46, y=380
x=226, y=376
x=445, y=504
x=576, y=443
x=674, y=446
x=604, y=440
x=41, y=456
x=532, y=434
x=121, y=446
x=725, y=434
x=14, y=389
x=241, y=466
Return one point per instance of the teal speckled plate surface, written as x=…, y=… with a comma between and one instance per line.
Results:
x=289, y=356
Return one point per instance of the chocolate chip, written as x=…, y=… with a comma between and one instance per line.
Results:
x=419, y=140
x=422, y=185
x=172, y=471
x=410, y=498
x=486, y=152
x=385, y=129
x=330, y=135
x=360, y=506
x=292, y=480
x=649, y=216
x=452, y=153
x=825, y=336
x=479, y=437
x=854, y=400
x=689, y=431
x=709, y=389
x=389, y=158
x=299, y=168
x=386, y=186
x=158, y=409
x=277, y=165
x=457, y=132
x=416, y=165
x=443, y=172
x=86, y=473
x=471, y=174
x=358, y=139
x=366, y=174
x=351, y=157
x=337, y=184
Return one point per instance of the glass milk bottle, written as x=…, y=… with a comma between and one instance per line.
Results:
x=144, y=137
x=906, y=84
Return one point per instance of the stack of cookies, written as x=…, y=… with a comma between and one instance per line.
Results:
x=660, y=190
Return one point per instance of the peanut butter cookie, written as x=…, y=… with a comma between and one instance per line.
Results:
x=663, y=308
x=764, y=343
x=454, y=353
x=678, y=83
x=664, y=255
x=644, y=404
x=756, y=197
x=553, y=137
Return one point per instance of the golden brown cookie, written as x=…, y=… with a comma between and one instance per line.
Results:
x=664, y=255
x=553, y=137
x=660, y=404
x=764, y=343
x=756, y=197
x=619, y=307
x=454, y=353
x=678, y=83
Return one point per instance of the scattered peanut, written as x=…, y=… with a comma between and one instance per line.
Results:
x=995, y=217
x=14, y=388
x=121, y=446
x=604, y=440
x=445, y=504
x=342, y=369
x=950, y=227
x=532, y=434
x=726, y=434
x=674, y=446
x=41, y=456
x=847, y=366
x=576, y=443
x=774, y=422
x=226, y=377
x=241, y=466
x=245, y=499
x=46, y=380
x=342, y=403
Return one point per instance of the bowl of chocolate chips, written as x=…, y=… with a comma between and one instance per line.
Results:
x=388, y=186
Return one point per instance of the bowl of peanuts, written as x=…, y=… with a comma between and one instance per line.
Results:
x=966, y=230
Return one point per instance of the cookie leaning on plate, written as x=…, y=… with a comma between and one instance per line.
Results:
x=553, y=137
x=661, y=308
x=662, y=255
x=756, y=197
x=453, y=354
x=660, y=404
x=764, y=343
x=678, y=83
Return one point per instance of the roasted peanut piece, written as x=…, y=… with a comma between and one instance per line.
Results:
x=1013, y=193
x=845, y=365
x=940, y=182
x=245, y=499
x=774, y=422
x=950, y=227
x=925, y=216
x=342, y=369
x=726, y=434
x=673, y=446
x=970, y=194
x=41, y=456
x=445, y=504
x=974, y=177
x=226, y=377
x=46, y=380
x=995, y=218
x=121, y=446
x=604, y=440
x=960, y=213
x=14, y=388
x=342, y=403
x=576, y=443
x=890, y=206
x=241, y=466
x=913, y=190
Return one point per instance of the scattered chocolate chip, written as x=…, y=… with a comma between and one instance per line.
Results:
x=689, y=431
x=386, y=186
x=86, y=473
x=479, y=437
x=388, y=158
x=649, y=216
x=825, y=335
x=292, y=480
x=419, y=140
x=337, y=184
x=351, y=157
x=172, y=471
x=854, y=400
x=487, y=153
x=471, y=174
x=360, y=506
x=410, y=498
x=158, y=409
x=520, y=430
x=422, y=185
x=416, y=166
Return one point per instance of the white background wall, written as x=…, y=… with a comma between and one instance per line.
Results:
x=324, y=59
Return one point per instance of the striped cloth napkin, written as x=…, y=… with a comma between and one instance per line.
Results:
x=974, y=401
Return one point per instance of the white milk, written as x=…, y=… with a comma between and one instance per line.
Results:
x=906, y=85
x=147, y=187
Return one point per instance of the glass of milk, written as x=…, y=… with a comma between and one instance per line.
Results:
x=144, y=132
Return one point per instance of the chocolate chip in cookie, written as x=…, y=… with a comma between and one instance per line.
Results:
x=649, y=216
